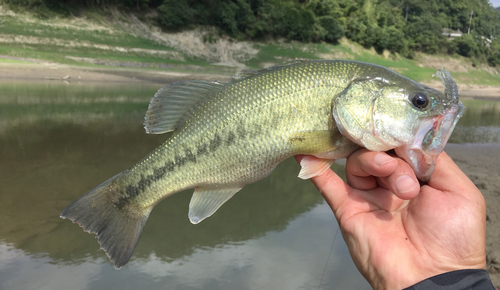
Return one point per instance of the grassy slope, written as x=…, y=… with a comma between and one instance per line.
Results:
x=25, y=36
x=94, y=40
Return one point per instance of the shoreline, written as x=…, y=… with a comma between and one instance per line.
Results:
x=54, y=72
x=29, y=70
x=476, y=162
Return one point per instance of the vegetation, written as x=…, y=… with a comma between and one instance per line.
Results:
x=400, y=26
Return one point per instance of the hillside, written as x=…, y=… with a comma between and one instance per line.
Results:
x=115, y=39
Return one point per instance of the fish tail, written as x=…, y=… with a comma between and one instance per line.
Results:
x=117, y=224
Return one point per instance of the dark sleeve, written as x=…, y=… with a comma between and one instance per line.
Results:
x=473, y=279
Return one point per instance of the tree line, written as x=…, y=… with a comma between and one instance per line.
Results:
x=400, y=26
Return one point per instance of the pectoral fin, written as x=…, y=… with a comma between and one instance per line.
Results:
x=315, y=142
x=206, y=201
x=313, y=166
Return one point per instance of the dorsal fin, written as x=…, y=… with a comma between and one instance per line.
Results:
x=172, y=103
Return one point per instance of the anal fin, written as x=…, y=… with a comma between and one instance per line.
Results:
x=207, y=201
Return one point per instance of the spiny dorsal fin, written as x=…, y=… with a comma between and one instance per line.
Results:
x=172, y=103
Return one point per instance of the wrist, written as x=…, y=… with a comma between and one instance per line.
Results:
x=406, y=277
x=460, y=279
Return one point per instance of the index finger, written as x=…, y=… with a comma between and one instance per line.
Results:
x=331, y=186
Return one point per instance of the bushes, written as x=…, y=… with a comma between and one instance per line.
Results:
x=333, y=30
x=276, y=18
x=391, y=39
x=175, y=14
x=465, y=45
x=402, y=27
x=286, y=20
x=494, y=58
x=425, y=34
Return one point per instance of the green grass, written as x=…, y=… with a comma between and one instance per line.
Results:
x=479, y=77
x=55, y=38
x=5, y=60
x=410, y=68
x=112, y=36
x=406, y=67
x=58, y=54
x=273, y=53
x=278, y=53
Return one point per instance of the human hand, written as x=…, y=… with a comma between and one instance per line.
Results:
x=398, y=232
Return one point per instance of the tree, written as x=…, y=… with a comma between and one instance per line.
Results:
x=175, y=14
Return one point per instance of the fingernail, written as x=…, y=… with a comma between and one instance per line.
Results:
x=405, y=184
x=382, y=159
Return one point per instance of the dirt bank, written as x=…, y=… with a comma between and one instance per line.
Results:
x=471, y=91
x=477, y=162
x=36, y=70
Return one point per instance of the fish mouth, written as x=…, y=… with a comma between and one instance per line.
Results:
x=430, y=139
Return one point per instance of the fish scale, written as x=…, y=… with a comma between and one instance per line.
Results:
x=227, y=135
x=255, y=111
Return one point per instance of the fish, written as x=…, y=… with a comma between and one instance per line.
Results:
x=230, y=134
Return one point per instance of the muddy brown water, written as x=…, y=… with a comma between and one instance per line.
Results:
x=57, y=141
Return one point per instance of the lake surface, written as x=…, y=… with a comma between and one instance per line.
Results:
x=57, y=141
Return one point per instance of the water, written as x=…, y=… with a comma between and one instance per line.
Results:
x=57, y=141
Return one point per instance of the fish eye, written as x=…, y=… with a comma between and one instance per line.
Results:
x=420, y=100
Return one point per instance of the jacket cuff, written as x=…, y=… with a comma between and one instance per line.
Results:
x=456, y=280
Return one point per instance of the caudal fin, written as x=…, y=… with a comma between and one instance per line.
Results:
x=118, y=228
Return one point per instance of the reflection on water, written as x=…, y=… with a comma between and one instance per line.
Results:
x=59, y=141
x=26, y=103
x=479, y=124
x=293, y=258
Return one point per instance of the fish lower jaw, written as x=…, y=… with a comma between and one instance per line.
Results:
x=421, y=162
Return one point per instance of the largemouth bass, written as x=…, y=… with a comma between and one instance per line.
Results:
x=229, y=134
